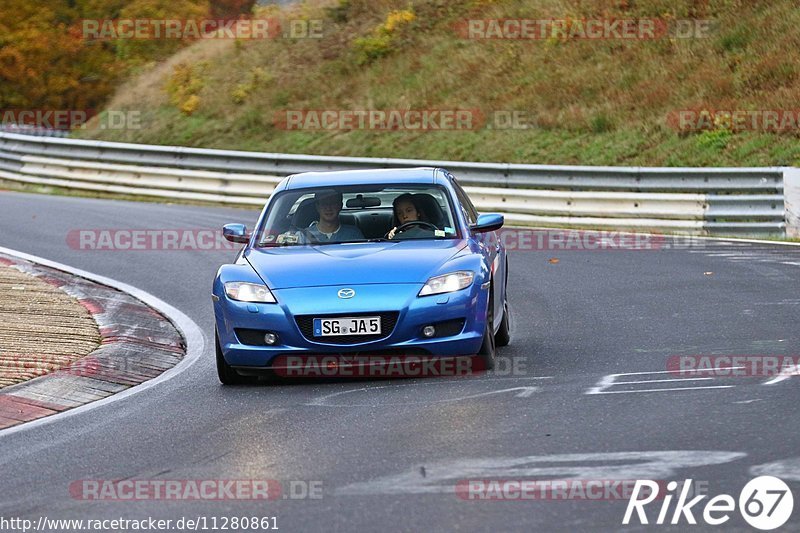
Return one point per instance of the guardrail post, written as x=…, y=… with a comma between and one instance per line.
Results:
x=791, y=198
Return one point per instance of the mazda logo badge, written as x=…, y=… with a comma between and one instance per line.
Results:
x=346, y=294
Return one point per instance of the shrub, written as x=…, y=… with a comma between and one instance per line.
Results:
x=340, y=12
x=257, y=76
x=714, y=139
x=601, y=123
x=190, y=105
x=385, y=38
x=184, y=85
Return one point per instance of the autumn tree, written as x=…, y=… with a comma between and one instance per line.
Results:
x=48, y=62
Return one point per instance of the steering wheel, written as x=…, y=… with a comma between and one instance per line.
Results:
x=402, y=227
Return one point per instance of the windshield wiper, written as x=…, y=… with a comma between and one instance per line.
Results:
x=274, y=244
x=320, y=243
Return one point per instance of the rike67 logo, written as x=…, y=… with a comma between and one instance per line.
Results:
x=765, y=503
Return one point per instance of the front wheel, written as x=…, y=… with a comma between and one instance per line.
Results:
x=486, y=355
x=227, y=375
x=503, y=336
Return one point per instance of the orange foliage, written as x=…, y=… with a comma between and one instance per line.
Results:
x=47, y=62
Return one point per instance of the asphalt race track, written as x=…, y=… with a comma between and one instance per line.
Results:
x=388, y=453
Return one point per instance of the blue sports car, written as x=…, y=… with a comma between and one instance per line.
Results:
x=374, y=262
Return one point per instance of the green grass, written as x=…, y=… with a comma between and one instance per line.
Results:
x=589, y=102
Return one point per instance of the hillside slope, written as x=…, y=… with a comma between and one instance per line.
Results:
x=584, y=101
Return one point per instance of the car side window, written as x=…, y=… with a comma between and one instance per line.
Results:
x=466, y=204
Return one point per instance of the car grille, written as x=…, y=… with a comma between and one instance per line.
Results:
x=388, y=322
x=365, y=352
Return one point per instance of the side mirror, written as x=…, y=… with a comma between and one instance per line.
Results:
x=487, y=222
x=236, y=233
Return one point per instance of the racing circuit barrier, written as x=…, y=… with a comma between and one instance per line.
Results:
x=699, y=201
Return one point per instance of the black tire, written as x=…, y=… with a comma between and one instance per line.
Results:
x=227, y=375
x=503, y=335
x=486, y=355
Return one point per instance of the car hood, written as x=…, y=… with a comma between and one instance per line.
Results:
x=350, y=264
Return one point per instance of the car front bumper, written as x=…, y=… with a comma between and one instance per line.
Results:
x=414, y=313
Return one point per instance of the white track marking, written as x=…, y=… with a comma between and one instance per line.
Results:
x=659, y=381
x=784, y=375
x=736, y=241
x=751, y=251
x=606, y=382
x=442, y=477
x=195, y=340
x=673, y=389
x=658, y=372
x=787, y=469
x=524, y=392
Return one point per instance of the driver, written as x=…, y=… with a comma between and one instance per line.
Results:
x=407, y=209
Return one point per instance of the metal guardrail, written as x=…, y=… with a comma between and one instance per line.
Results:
x=694, y=200
x=24, y=129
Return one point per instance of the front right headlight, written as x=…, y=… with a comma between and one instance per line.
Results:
x=249, y=292
x=455, y=281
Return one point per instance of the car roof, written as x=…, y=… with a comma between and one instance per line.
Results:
x=421, y=175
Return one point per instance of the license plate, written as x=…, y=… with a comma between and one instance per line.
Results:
x=362, y=325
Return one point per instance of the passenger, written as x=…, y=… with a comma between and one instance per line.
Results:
x=328, y=228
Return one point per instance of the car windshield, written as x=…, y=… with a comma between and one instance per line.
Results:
x=336, y=215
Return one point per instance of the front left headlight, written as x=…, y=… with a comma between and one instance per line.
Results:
x=249, y=292
x=455, y=281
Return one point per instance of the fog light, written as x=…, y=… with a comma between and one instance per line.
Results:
x=270, y=339
x=429, y=331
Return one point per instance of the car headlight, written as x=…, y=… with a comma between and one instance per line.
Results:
x=455, y=281
x=249, y=292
